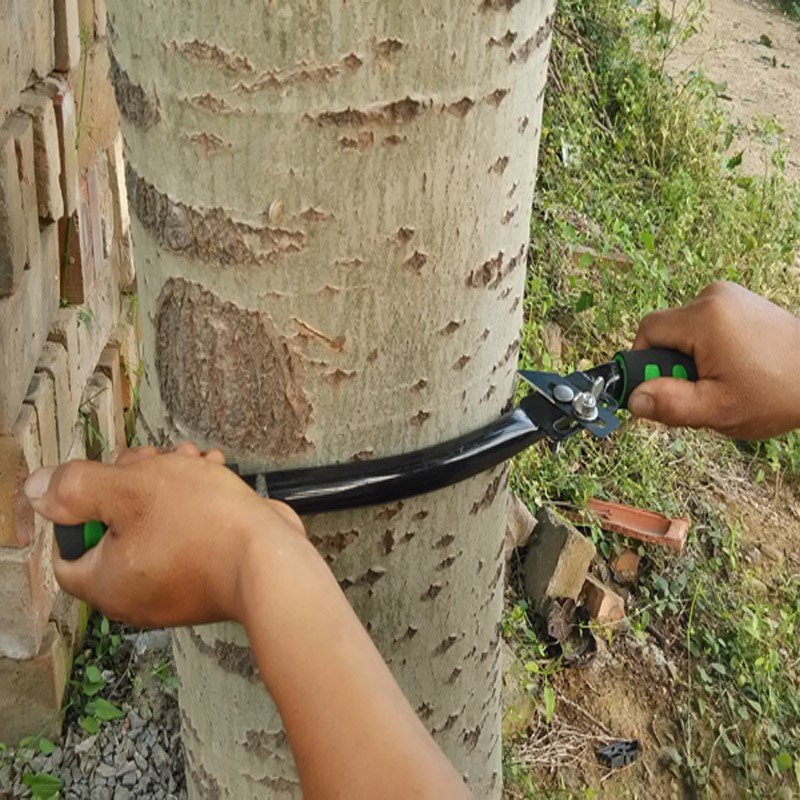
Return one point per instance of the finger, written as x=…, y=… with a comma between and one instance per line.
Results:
x=675, y=402
x=77, y=577
x=186, y=449
x=668, y=328
x=79, y=491
x=133, y=455
x=215, y=456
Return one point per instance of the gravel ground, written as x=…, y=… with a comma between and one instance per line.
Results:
x=137, y=756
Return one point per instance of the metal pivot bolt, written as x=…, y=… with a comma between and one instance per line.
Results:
x=585, y=404
x=563, y=393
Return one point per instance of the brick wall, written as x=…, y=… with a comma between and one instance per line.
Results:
x=68, y=352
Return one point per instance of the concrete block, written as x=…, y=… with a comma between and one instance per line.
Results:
x=42, y=398
x=97, y=409
x=13, y=251
x=67, y=34
x=30, y=703
x=111, y=366
x=65, y=332
x=21, y=128
x=16, y=516
x=53, y=362
x=47, y=159
x=24, y=322
x=66, y=122
x=557, y=560
x=604, y=605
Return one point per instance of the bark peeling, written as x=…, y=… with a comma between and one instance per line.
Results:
x=209, y=235
x=228, y=375
x=134, y=103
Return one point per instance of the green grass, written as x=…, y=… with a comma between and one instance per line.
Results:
x=636, y=162
x=790, y=7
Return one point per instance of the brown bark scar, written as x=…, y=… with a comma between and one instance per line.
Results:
x=498, y=5
x=134, y=103
x=232, y=658
x=451, y=327
x=352, y=263
x=335, y=344
x=299, y=74
x=363, y=455
x=497, y=97
x=390, y=512
x=372, y=356
x=206, y=53
x=339, y=376
x=462, y=362
x=312, y=214
x=523, y=124
x=411, y=632
x=454, y=675
x=212, y=104
x=388, y=47
x=446, y=644
x=397, y=112
x=329, y=292
x=432, y=592
x=491, y=492
x=531, y=45
x=394, y=139
x=209, y=143
x=421, y=418
x=265, y=743
x=511, y=351
x=509, y=215
x=445, y=541
x=420, y=385
x=504, y=41
x=210, y=235
x=365, y=140
x=460, y=108
x=487, y=273
x=227, y=374
x=405, y=234
x=417, y=261
x=499, y=166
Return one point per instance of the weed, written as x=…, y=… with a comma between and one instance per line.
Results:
x=641, y=203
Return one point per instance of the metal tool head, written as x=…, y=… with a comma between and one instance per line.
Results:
x=581, y=400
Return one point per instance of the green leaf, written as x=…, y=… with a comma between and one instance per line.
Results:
x=104, y=626
x=649, y=242
x=735, y=161
x=42, y=785
x=586, y=260
x=549, y=697
x=46, y=746
x=90, y=725
x=765, y=40
x=784, y=761
x=585, y=301
x=93, y=674
x=673, y=755
x=103, y=710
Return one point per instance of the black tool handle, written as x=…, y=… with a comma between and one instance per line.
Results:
x=639, y=366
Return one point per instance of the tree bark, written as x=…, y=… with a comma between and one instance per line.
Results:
x=330, y=213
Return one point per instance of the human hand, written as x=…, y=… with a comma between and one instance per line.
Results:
x=747, y=353
x=180, y=527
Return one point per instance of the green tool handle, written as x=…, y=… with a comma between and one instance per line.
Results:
x=640, y=366
x=74, y=540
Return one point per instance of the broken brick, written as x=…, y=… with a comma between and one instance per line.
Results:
x=20, y=126
x=625, y=567
x=13, y=250
x=519, y=525
x=604, y=605
x=46, y=155
x=67, y=34
x=640, y=524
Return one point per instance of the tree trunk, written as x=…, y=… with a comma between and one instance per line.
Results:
x=331, y=207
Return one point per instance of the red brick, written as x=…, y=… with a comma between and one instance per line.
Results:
x=67, y=34
x=16, y=516
x=604, y=605
x=98, y=412
x=64, y=106
x=75, y=240
x=13, y=251
x=33, y=690
x=42, y=398
x=53, y=361
x=626, y=567
x=25, y=319
x=126, y=340
x=110, y=365
x=21, y=129
x=47, y=159
x=27, y=589
x=65, y=332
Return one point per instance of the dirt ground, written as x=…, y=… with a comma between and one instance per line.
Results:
x=755, y=53
x=760, y=80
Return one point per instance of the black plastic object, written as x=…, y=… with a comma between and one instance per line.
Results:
x=619, y=754
x=639, y=366
x=386, y=480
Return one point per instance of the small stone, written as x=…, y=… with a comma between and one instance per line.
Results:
x=122, y=793
x=130, y=779
x=773, y=553
x=106, y=771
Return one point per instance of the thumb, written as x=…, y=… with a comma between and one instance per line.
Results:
x=77, y=492
x=672, y=402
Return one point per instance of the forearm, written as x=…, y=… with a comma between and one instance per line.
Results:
x=351, y=730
